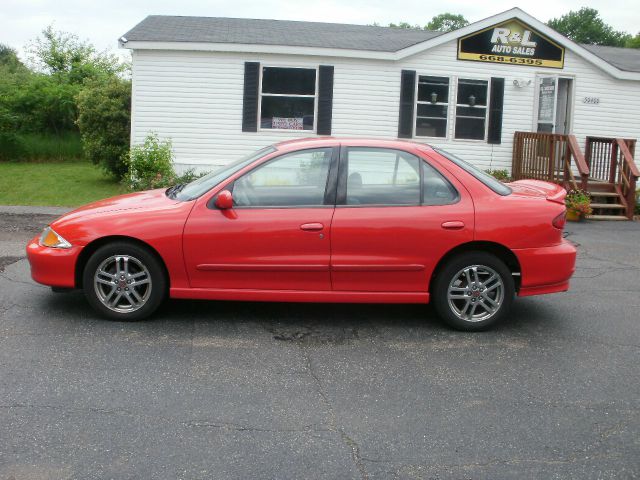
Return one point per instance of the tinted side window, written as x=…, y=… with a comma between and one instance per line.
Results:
x=437, y=189
x=292, y=180
x=377, y=176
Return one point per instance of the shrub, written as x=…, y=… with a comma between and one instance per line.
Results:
x=104, y=111
x=502, y=175
x=11, y=146
x=150, y=164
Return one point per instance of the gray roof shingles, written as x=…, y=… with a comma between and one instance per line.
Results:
x=627, y=59
x=160, y=28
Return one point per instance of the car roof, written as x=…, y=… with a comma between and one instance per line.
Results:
x=318, y=142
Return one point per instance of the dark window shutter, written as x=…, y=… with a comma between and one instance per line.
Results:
x=407, y=103
x=251, y=95
x=325, y=99
x=495, y=110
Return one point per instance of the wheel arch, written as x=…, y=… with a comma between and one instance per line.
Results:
x=93, y=246
x=497, y=249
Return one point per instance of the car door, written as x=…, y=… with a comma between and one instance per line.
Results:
x=396, y=216
x=276, y=236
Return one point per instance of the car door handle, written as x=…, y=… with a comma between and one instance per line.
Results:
x=311, y=227
x=455, y=225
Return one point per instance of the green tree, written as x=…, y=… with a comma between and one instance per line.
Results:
x=9, y=59
x=633, y=42
x=104, y=119
x=403, y=25
x=586, y=26
x=44, y=105
x=447, y=22
x=64, y=56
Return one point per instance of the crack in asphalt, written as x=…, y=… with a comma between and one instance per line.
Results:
x=249, y=428
x=22, y=282
x=8, y=260
x=333, y=424
x=189, y=424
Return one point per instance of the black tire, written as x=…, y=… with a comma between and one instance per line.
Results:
x=459, y=311
x=128, y=281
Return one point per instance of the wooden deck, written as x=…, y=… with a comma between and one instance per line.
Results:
x=606, y=170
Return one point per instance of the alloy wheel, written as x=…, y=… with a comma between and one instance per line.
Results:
x=475, y=293
x=122, y=283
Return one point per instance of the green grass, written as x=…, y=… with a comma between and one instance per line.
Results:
x=50, y=147
x=35, y=147
x=61, y=184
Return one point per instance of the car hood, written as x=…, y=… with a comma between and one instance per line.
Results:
x=148, y=200
x=538, y=189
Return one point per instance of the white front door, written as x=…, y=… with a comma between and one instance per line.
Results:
x=553, y=104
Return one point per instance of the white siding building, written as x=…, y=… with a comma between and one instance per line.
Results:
x=220, y=88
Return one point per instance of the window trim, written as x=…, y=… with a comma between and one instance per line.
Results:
x=452, y=108
x=315, y=99
x=486, y=111
x=341, y=194
x=329, y=188
x=418, y=102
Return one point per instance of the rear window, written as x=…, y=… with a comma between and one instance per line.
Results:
x=494, y=184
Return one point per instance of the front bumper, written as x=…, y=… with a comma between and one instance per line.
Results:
x=54, y=267
x=546, y=269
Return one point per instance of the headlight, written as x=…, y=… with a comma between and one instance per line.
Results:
x=49, y=238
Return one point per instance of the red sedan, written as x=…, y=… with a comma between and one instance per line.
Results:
x=319, y=220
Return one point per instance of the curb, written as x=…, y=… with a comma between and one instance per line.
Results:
x=28, y=210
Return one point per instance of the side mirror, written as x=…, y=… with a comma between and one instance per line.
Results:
x=224, y=200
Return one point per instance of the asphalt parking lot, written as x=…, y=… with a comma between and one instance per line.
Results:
x=224, y=390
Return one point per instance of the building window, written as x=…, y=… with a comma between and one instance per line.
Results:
x=288, y=98
x=433, y=106
x=471, y=109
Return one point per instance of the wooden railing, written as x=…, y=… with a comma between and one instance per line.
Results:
x=611, y=160
x=549, y=156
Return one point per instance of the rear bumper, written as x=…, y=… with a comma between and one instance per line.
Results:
x=54, y=267
x=546, y=269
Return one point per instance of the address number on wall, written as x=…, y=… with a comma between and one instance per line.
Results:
x=591, y=100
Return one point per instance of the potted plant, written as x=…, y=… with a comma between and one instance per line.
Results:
x=578, y=205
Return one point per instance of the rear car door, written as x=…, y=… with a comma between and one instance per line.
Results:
x=276, y=236
x=396, y=216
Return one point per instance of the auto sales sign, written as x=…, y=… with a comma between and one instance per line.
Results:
x=512, y=42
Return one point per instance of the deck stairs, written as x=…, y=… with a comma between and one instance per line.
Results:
x=606, y=203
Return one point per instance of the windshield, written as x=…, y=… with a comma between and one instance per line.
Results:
x=204, y=184
x=491, y=182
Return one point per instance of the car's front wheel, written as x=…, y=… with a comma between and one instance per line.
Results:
x=473, y=291
x=124, y=281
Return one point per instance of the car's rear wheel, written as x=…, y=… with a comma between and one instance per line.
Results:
x=473, y=291
x=124, y=281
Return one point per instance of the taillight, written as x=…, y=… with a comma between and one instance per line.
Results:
x=560, y=220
